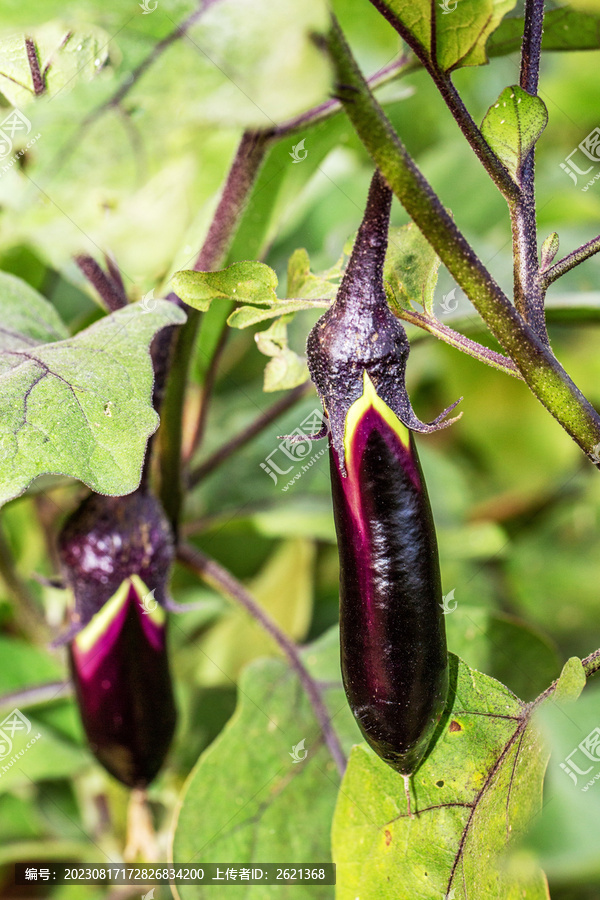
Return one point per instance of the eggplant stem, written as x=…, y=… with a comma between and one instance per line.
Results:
x=407, y=792
x=141, y=836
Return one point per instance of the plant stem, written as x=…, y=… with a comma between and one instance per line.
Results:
x=455, y=339
x=492, y=164
x=529, y=295
x=37, y=78
x=41, y=693
x=28, y=616
x=591, y=663
x=534, y=359
x=244, y=437
x=242, y=174
x=215, y=575
x=570, y=261
x=112, y=293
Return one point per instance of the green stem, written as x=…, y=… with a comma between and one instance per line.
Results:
x=540, y=369
x=28, y=615
x=242, y=174
x=569, y=262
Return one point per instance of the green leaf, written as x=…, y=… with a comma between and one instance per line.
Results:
x=411, y=269
x=461, y=28
x=287, y=369
x=480, y=783
x=250, y=315
x=77, y=406
x=301, y=282
x=262, y=804
x=564, y=29
x=549, y=250
x=251, y=48
x=245, y=282
x=571, y=682
x=65, y=56
x=513, y=124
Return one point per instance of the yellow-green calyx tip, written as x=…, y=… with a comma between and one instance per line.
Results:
x=370, y=399
x=99, y=623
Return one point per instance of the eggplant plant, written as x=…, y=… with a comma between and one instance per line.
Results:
x=195, y=670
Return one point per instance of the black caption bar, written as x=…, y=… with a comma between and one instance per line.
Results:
x=178, y=873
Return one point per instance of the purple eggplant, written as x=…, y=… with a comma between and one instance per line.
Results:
x=116, y=554
x=393, y=645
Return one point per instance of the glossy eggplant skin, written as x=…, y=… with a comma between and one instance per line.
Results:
x=116, y=554
x=393, y=645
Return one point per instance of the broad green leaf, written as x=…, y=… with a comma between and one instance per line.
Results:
x=480, y=783
x=461, y=27
x=25, y=666
x=513, y=124
x=65, y=56
x=303, y=284
x=77, y=406
x=246, y=316
x=251, y=48
x=564, y=29
x=244, y=282
x=247, y=799
x=284, y=588
x=411, y=269
x=286, y=369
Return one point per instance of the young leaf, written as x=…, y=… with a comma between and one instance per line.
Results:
x=301, y=282
x=411, y=268
x=250, y=315
x=78, y=406
x=287, y=369
x=245, y=282
x=513, y=124
x=458, y=29
x=480, y=785
x=564, y=29
x=549, y=250
x=263, y=803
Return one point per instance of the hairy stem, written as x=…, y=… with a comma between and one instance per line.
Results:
x=40, y=694
x=37, y=79
x=570, y=261
x=455, y=339
x=242, y=174
x=529, y=295
x=223, y=581
x=534, y=359
x=112, y=292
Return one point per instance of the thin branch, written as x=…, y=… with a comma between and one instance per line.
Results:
x=218, y=577
x=240, y=180
x=532, y=45
x=112, y=292
x=458, y=340
x=591, y=663
x=244, y=437
x=570, y=261
x=39, y=85
x=28, y=615
x=484, y=153
x=33, y=696
x=393, y=70
x=208, y=384
x=534, y=359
